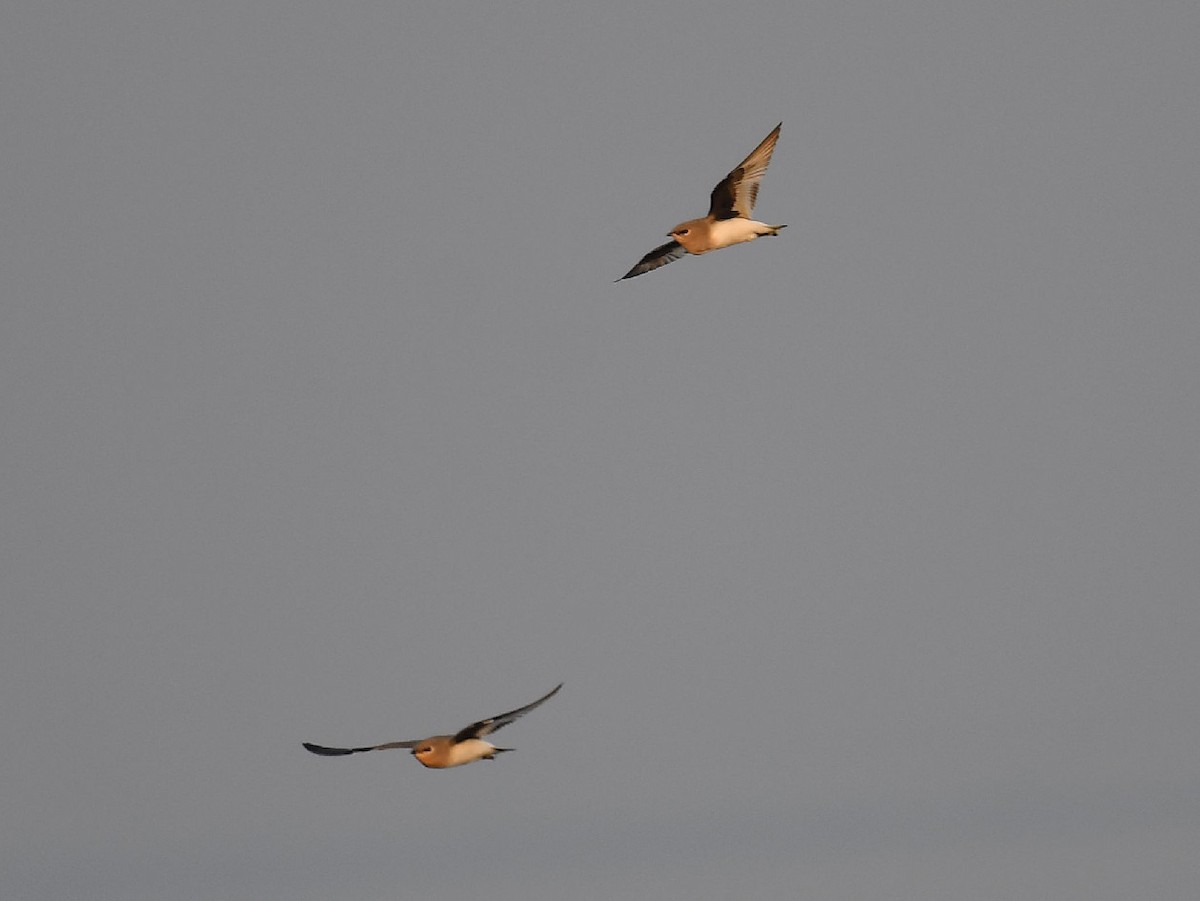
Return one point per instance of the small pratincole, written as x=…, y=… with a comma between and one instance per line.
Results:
x=728, y=220
x=441, y=751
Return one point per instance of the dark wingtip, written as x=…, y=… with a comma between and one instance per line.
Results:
x=325, y=752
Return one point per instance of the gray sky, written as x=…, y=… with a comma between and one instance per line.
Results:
x=868, y=554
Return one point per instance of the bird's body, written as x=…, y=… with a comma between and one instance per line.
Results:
x=728, y=221
x=727, y=232
x=441, y=752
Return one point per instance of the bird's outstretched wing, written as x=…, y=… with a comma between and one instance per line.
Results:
x=339, y=752
x=738, y=190
x=488, y=726
x=659, y=256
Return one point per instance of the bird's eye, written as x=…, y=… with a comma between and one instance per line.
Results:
x=684, y=231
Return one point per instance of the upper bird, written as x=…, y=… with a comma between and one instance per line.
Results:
x=728, y=220
x=441, y=751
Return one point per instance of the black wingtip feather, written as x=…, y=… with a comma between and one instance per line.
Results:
x=329, y=752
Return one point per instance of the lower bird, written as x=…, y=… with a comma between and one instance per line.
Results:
x=442, y=751
x=728, y=221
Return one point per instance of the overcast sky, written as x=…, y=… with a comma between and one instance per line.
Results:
x=868, y=554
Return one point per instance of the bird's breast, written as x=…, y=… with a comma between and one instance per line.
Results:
x=467, y=752
x=725, y=232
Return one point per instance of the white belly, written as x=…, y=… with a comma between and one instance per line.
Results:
x=725, y=232
x=469, y=751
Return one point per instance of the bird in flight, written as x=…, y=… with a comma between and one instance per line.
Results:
x=728, y=220
x=441, y=751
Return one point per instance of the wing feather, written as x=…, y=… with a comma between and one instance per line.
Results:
x=339, y=752
x=737, y=192
x=659, y=256
x=490, y=725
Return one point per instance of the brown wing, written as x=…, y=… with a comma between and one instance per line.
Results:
x=737, y=192
x=488, y=726
x=659, y=256
x=338, y=752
